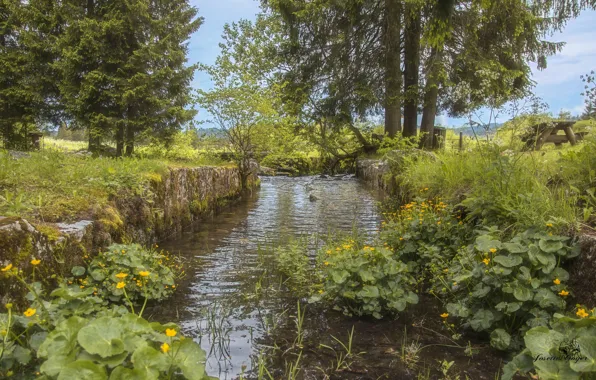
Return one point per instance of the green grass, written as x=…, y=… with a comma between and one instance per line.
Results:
x=52, y=185
x=515, y=190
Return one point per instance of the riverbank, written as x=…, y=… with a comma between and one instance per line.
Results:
x=60, y=207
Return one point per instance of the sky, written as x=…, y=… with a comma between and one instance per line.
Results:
x=558, y=85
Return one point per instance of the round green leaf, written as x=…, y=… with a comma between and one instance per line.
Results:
x=102, y=336
x=500, y=339
x=77, y=271
x=521, y=293
x=83, y=370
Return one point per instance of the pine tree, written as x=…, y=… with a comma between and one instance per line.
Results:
x=123, y=70
x=18, y=98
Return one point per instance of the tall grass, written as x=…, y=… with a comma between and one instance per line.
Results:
x=515, y=190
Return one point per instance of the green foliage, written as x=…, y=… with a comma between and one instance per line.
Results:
x=365, y=280
x=398, y=142
x=125, y=347
x=72, y=334
x=425, y=232
x=57, y=186
x=292, y=261
x=497, y=186
x=566, y=350
x=147, y=273
x=114, y=79
x=505, y=287
x=184, y=146
x=296, y=163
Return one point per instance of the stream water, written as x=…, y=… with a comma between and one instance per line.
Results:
x=236, y=306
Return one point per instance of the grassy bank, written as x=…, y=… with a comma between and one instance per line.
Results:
x=53, y=185
x=501, y=186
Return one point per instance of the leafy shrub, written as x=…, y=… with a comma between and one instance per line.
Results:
x=398, y=142
x=294, y=163
x=74, y=335
x=125, y=347
x=567, y=350
x=506, y=287
x=425, y=232
x=292, y=261
x=365, y=281
x=130, y=271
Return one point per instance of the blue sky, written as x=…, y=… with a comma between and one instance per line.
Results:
x=559, y=84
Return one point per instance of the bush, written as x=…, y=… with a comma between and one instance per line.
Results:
x=293, y=163
x=567, y=350
x=293, y=262
x=425, y=232
x=365, y=281
x=74, y=335
x=505, y=287
x=130, y=271
x=123, y=347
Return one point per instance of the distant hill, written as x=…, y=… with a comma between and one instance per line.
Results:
x=211, y=132
x=480, y=130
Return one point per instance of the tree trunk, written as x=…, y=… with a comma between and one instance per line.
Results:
x=120, y=140
x=411, y=68
x=393, y=68
x=130, y=140
x=431, y=94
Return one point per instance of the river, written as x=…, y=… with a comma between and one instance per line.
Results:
x=236, y=306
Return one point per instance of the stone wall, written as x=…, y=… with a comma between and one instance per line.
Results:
x=172, y=203
x=375, y=173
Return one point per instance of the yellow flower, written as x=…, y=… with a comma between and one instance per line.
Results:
x=120, y=285
x=444, y=315
x=123, y=251
x=35, y=262
x=165, y=348
x=439, y=222
x=486, y=261
x=29, y=312
x=321, y=291
x=144, y=273
x=581, y=313
x=493, y=250
x=557, y=281
x=326, y=263
x=549, y=224
x=446, y=270
x=328, y=251
x=121, y=275
x=563, y=293
x=7, y=268
x=171, y=332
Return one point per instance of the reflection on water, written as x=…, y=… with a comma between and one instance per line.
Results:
x=217, y=307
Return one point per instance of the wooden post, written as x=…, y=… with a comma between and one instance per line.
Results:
x=570, y=135
x=461, y=141
x=542, y=138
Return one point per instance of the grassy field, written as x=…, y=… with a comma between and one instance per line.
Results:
x=54, y=185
